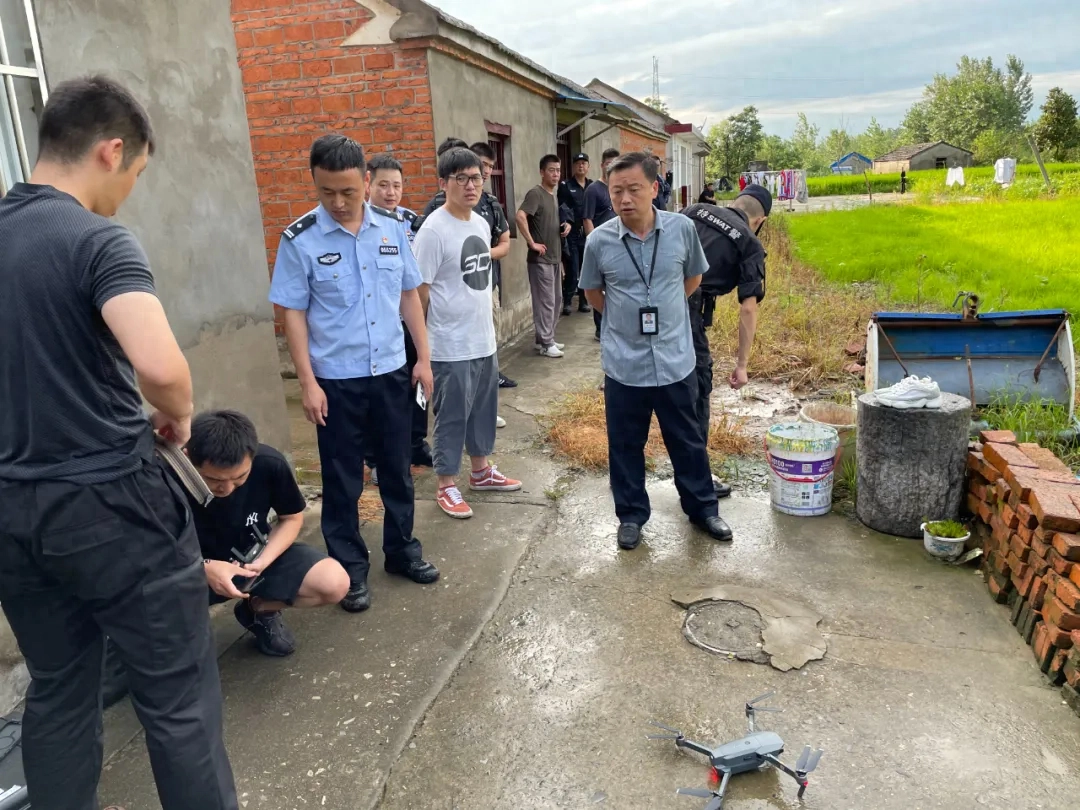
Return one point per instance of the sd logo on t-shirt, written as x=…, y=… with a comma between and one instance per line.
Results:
x=476, y=263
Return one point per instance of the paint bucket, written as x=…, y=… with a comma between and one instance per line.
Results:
x=841, y=417
x=802, y=457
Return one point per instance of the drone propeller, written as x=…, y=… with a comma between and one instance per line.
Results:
x=808, y=760
x=760, y=698
x=699, y=793
x=674, y=735
x=716, y=799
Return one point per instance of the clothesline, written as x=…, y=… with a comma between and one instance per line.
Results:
x=788, y=184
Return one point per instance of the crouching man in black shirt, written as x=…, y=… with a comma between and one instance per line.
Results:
x=249, y=479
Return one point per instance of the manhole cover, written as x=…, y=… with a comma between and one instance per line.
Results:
x=726, y=628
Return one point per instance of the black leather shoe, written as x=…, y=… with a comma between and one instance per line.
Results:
x=721, y=489
x=584, y=307
x=714, y=527
x=421, y=456
x=566, y=310
x=629, y=536
x=506, y=382
x=420, y=572
x=358, y=599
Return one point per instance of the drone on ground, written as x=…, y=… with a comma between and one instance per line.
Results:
x=753, y=752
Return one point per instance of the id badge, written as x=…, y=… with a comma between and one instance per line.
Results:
x=650, y=320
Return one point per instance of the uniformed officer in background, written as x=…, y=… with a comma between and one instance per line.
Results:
x=663, y=186
x=384, y=193
x=343, y=274
x=736, y=262
x=572, y=195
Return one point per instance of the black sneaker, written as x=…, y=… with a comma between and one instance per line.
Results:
x=358, y=599
x=566, y=310
x=583, y=306
x=506, y=382
x=419, y=571
x=272, y=637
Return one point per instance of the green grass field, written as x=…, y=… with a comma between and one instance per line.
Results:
x=1015, y=255
x=979, y=181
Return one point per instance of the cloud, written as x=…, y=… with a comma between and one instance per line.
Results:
x=836, y=60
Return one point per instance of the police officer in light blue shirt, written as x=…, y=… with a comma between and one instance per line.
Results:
x=384, y=196
x=346, y=278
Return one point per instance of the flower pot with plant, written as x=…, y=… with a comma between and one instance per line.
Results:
x=945, y=539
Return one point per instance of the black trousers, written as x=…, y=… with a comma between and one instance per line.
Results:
x=703, y=368
x=419, y=415
x=575, y=245
x=77, y=563
x=367, y=413
x=629, y=411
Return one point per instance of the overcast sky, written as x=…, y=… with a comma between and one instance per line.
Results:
x=839, y=61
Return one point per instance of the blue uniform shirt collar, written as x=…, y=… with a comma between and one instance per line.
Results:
x=327, y=223
x=658, y=225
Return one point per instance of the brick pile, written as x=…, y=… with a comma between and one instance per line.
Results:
x=1026, y=503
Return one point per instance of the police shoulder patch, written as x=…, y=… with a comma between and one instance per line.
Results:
x=299, y=226
x=386, y=212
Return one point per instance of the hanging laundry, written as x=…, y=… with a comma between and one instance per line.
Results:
x=955, y=177
x=742, y=182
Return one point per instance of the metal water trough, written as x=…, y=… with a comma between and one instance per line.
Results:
x=1028, y=354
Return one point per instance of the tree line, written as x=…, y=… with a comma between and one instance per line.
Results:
x=982, y=107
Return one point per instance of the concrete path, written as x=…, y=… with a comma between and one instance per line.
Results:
x=526, y=677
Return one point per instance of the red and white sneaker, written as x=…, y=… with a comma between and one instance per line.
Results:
x=491, y=480
x=451, y=502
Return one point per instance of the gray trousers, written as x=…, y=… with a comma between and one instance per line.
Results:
x=466, y=404
x=545, y=281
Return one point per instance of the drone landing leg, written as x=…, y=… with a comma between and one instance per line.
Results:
x=800, y=779
x=720, y=791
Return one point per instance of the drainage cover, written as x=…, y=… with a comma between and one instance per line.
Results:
x=726, y=628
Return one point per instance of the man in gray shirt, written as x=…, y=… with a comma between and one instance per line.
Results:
x=638, y=271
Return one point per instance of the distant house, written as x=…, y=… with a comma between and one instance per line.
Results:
x=852, y=163
x=937, y=155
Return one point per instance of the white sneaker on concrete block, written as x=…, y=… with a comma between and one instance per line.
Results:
x=552, y=351
x=911, y=392
x=500, y=422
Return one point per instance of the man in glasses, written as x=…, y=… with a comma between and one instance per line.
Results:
x=736, y=262
x=453, y=251
x=539, y=222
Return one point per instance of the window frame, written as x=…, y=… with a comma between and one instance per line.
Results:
x=8, y=73
x=502, y=177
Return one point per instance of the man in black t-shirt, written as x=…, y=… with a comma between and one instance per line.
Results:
x=249, y=479
x=95, y=536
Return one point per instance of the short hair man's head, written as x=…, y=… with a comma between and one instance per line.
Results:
x=550, y=170
x=461, y=176
x=448, y=144
x=632, y=185
x=581, y=165
x=487, y=158
x=95, y=127
x=607, y=159
x=222, y=447
x=756, y=202
x=340, y=174
x=709, y=185
x=386, y=180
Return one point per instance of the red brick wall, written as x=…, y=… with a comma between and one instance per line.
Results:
x=300, y=82
x=633, y=142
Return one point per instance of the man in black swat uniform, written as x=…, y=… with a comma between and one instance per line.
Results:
x=736, y=262
x=572, y=195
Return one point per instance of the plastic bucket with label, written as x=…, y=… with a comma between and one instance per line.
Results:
x=802, y=459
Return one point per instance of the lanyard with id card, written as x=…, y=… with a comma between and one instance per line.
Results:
x=648, y=315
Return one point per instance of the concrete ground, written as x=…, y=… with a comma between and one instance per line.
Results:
x=525, y=678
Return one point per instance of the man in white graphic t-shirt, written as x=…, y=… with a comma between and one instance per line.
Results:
x=454, y=255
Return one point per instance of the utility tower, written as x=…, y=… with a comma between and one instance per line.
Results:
x=656, y=79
